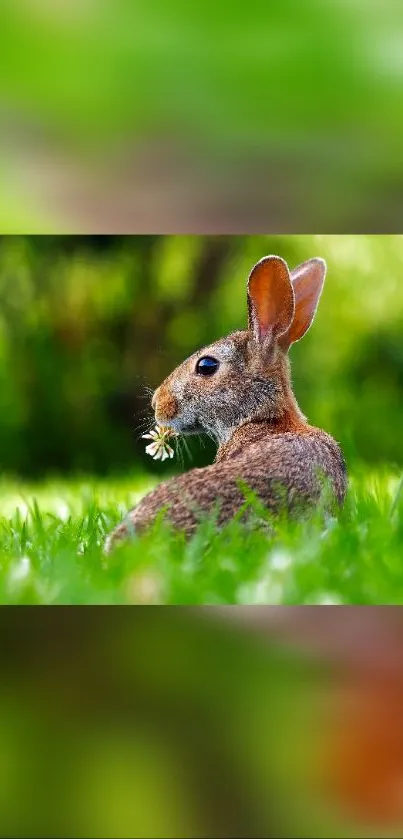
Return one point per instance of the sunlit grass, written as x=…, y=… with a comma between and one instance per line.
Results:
x=52, y=537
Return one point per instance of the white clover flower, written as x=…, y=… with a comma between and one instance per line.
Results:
x=159, y=449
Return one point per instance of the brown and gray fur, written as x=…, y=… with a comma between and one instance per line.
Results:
x=248, y=406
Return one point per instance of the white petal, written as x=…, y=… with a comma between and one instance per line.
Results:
x=147, y=436
x=164, y=454
x=158, y=454
x=152, y=448
x=170, y=451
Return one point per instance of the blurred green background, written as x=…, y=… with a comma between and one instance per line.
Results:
x=117, y=116
x=88, y=323
x=180, y=723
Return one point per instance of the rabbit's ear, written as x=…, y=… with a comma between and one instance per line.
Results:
x=270, y=299
x=307, y=280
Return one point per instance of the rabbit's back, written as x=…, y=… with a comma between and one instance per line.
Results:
x=282, y=469
x=296, y=462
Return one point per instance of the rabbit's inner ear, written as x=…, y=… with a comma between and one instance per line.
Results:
x=307, y=281
x=270, y=299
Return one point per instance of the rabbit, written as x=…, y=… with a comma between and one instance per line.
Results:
x=238, y=390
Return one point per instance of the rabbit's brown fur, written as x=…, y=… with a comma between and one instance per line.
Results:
x=248, y=406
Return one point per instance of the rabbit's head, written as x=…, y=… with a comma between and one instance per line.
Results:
x=245, y=376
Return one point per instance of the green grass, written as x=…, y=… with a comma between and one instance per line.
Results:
x=52, y=535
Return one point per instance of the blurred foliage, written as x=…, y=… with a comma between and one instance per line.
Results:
x=182, y=723
x=87, y=324
x=117, y=116
x=155, y=725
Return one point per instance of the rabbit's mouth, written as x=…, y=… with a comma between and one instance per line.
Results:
x=183, y=427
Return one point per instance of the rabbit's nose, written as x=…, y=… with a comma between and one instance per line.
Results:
x=164, y=404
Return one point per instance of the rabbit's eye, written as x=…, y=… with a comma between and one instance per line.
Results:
x=207, y=365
